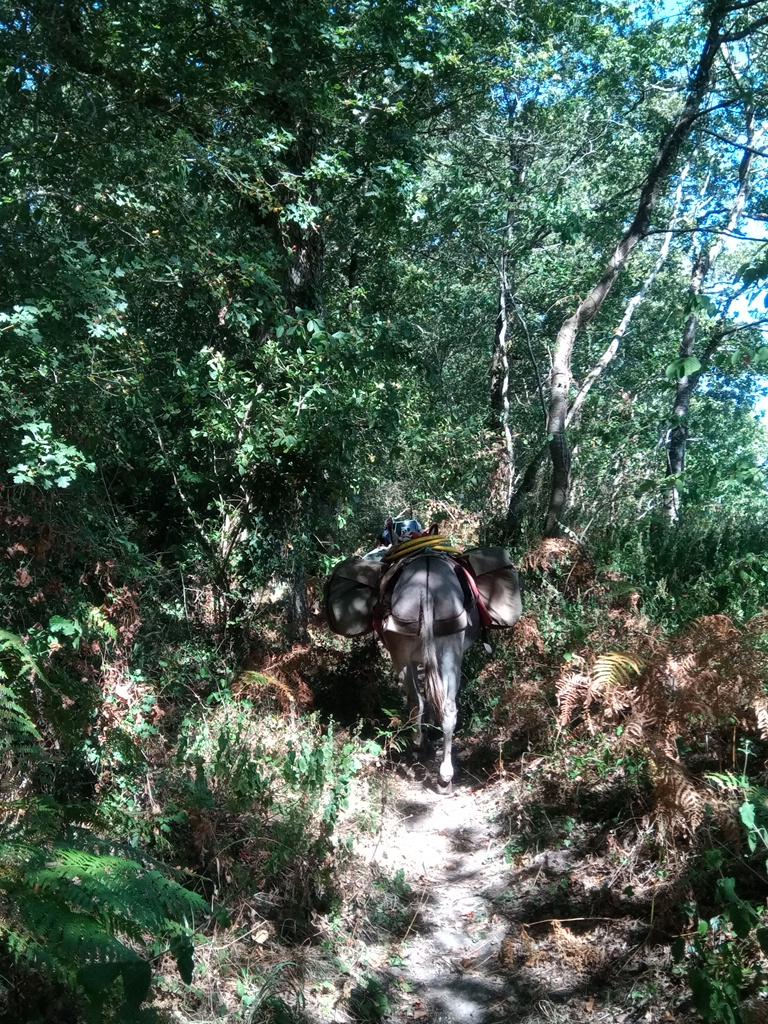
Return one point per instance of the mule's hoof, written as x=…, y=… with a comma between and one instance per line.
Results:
x=444, y=788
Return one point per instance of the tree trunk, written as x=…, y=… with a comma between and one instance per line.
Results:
x=585, y=312
x=630, y=309
x=303, y=291
x=519, y=499
x=305, y=271
x=677, y=436
x=298, y=609
x=502, y=484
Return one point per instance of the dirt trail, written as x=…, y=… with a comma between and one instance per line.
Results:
x=462, y=921
x=452, y=855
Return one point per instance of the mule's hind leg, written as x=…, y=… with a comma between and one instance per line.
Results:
x=449, y=724
x=415, y=704
x=450, y=672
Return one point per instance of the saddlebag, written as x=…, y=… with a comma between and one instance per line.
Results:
x=498, y=584
x=352, y=594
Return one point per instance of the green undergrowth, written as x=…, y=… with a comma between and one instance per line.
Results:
x=77, y=906
x=180, y=835
x=165, y=817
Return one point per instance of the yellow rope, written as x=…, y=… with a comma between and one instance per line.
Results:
x=433, y=542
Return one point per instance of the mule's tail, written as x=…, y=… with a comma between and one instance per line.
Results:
x=433, y=684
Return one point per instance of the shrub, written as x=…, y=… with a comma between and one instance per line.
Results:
x=663, y=692
x=73, y=907
x=264, y=795
x=724, y=956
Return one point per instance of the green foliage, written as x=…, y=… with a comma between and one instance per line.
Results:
x=370, y=1003
x=682, y=368
x=235, y=761
x=90, y=918
x=321, y=773
x=48, y=462
x=600, y=758
x=725, y=957
x=753, y=811
x=72, y=905
x=393, y=905
x=261, y=1001
x=290, y=783
x=18, y=670
x=267, y=321
x=248, y=309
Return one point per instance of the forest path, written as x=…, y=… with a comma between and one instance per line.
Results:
x=451, y=855
x=467, y=915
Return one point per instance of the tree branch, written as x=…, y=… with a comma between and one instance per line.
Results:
x=725, y=232
x=633, y=304
x=732, y=37
x=180, y=491
x=737, y=145
x=677, y=435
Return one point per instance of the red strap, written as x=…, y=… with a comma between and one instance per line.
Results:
x=485, y=615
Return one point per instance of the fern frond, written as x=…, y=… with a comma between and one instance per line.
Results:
x=608, y=679
x=727, y=781
x=639, y=727
x=679, y=802
x=702, y=681
x=133, y=899
x=14, y=720
x=78, y=938
x=85, y=917
x=614, y=669
x=31, y=949
x=19, y=736
x=78, y=949
x=571, y=695
x=12, y=644
x=248, y=682
x=760, y=707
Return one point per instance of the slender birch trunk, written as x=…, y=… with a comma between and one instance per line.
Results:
x=677, y=436
x=518, y=498
x=506, y=468
x=587, y=309
x=298, y=605
x=630, y=309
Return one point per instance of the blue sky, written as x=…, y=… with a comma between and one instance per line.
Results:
x=747, y=311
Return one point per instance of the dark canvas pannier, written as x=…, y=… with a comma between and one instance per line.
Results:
x=498, y=583
x=352, y=594
x=354, y=587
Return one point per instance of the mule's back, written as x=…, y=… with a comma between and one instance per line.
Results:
x=427, y=582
